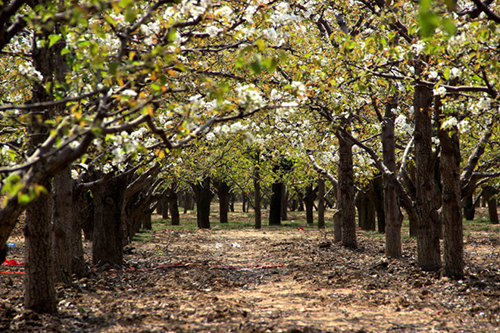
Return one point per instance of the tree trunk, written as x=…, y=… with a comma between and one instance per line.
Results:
x=469, y=208
x=309, y=203
x=428, y=251
x=107, y=247
x=321, y=203
x=275, y=206
x=231, y=202
x=451, y=211
x=366, y=211
x=346, y=192
x=172, y=204
x=378, y=194
x=224, y=195
x=203, y=197
x=39, y=294
x=163, y=207
x=64, y=226
x=188, y=201
x=492, y=210
x=337, y=226
x=300, y=207
x=392, y=212
x=257, y=198
x=86, y=215
x=146, y=220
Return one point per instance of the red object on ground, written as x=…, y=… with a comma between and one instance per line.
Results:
x=12, y=262
x=301, y=229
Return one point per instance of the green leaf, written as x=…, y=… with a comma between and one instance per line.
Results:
x=240, y=63
x=113, y=67
x=53, y=39
x=261, y=45
x=446, y=73
x=130, y=15
x=449, y=26
x=428, y=23
x=256, y=67
x=125, y=3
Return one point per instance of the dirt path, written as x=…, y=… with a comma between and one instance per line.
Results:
x=272, y=280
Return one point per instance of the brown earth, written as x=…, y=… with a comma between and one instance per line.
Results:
x=310, y=284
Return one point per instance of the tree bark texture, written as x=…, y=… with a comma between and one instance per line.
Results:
x=224, y=196
x=428, y=251
x=378, y=194
x=39, y=293
x=488, y=194
x=309, y=203
x=469, y=208
x=392, y=212
x=107, y=246
x=346, y=199
x=63, y=227
x=203, y=197
x=451, y=211
x=275, y=205
x=173, y=206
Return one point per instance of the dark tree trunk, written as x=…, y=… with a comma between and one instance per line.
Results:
x=275, y=206
x=172, y=204
x=80, y=214
x=86, y=216
x=488, y=196
x=163, y=207
x=224, y=195
x=492, y=210
x=188, y=201
x=39, y=279
x=284, y=204
x=366, y=211
x=107, y=248
x=321, y=203
x=244, y=202
x=231, y=203
x=469, y=208
x=451, y=211
x=428, y=251
x=39, y=293
x=337, y=226
x=378, y=195
x=203, y=197
x=346, y=192
x=300, y=207
x=257, y=198
x=393, y=216
x=309, y=203
x=65, y=244
x=146, y=220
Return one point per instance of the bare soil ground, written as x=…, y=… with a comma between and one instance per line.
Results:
x=271, y=280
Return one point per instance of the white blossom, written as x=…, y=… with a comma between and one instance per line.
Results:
x=449, y=123
x=212, y=30
x=249, y=97
x=439, y=91
x=464, y=126
x=210, y=136
x=455, y=72
x=129, y=92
